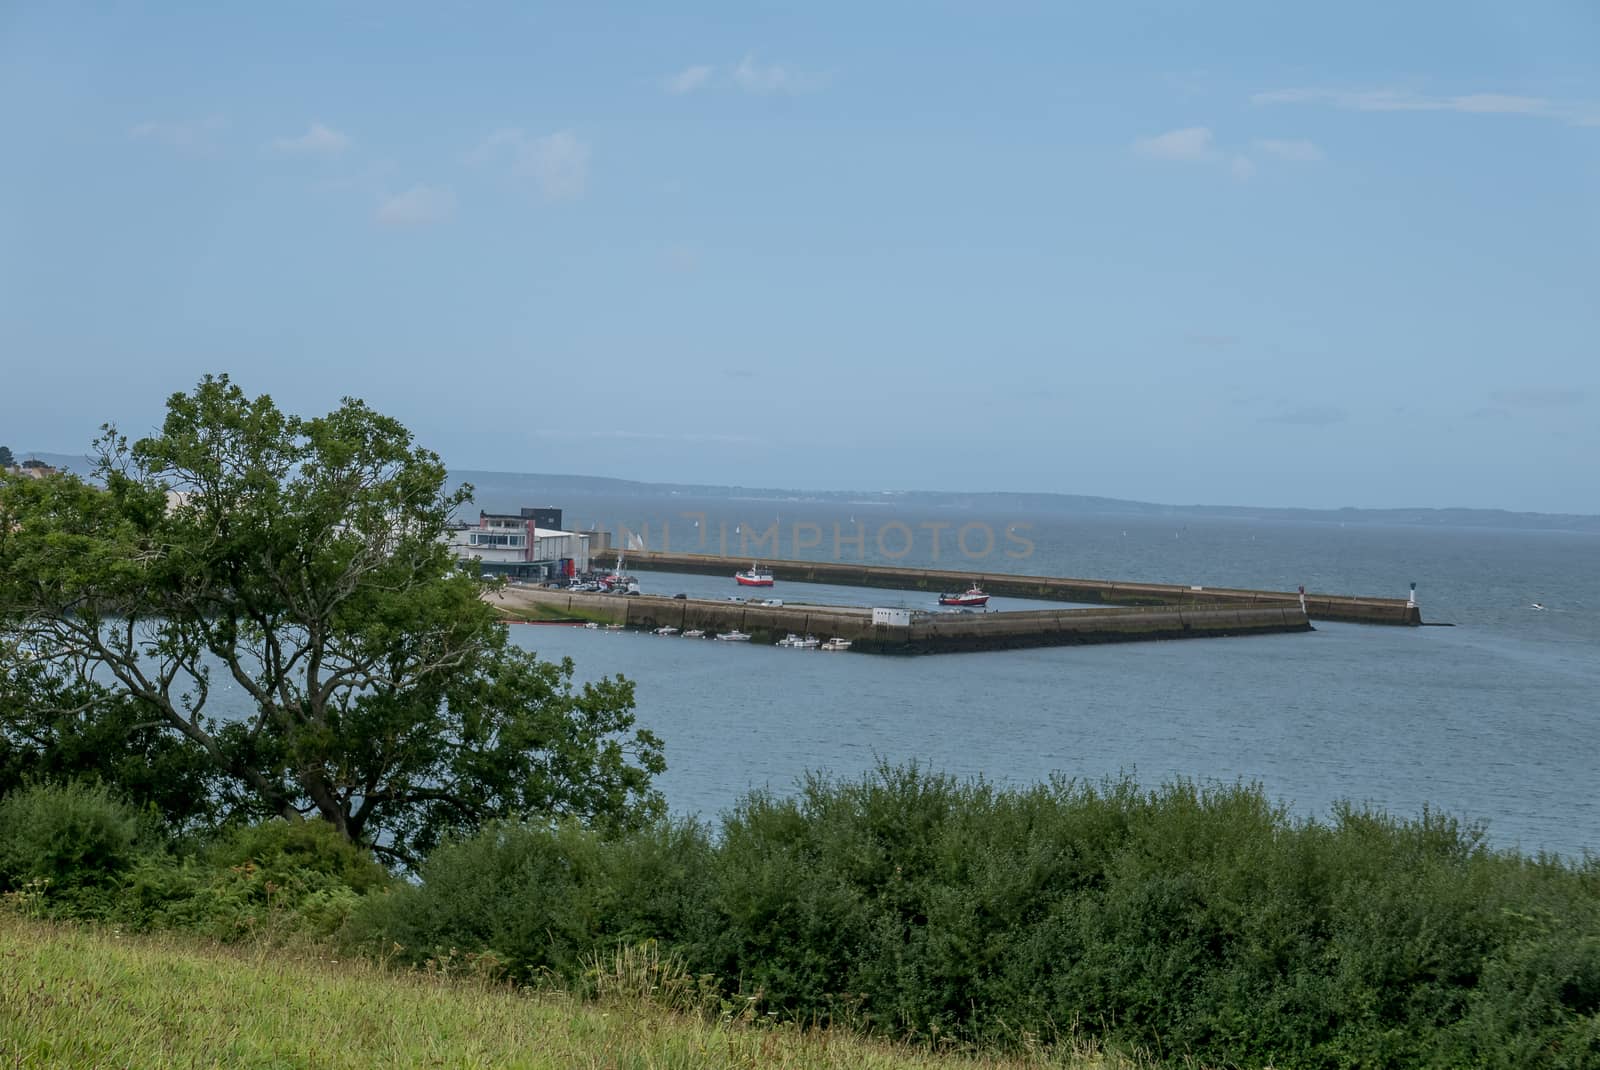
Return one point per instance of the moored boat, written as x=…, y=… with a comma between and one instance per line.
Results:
x=735, y=636
x=972, y=596
x=666, y=629
x=835, y=644
x=694, y=633
x=754, y=576
x=619, y=582
x=795, y=642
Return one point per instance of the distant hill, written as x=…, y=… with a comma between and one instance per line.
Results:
x=79, y=463
x=508, y=490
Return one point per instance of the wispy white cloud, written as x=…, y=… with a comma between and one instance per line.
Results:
x=1194, y=144
x=417, y=206
x=1296, y=150
x=689, y=79
x=755, y=77
x=318, y=140
x=1400, y=100
x=1197, y=144
x=558, y=163
x=749, y=75
x=1190, y=144
x=185, y=135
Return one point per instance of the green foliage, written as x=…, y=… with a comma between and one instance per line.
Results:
x=276, y=881
x=54, y=727
x=1203, y=923
x=543, y=897
x=68, y=842
x=298, y=565
x=286, y=852
x=6, y=459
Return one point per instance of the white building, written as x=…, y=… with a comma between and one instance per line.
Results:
x=514, y=545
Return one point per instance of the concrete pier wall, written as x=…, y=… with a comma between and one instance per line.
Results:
x=927, y=634
x=1354, y=608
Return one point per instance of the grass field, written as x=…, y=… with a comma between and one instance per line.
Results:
x=87, y=997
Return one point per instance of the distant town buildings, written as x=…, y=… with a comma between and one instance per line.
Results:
x=33, y=469
x=528, y=545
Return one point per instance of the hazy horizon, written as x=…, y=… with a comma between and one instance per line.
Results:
x=1286, y=258
x=458, y=472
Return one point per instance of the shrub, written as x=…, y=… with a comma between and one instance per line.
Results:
x=1201, y=923
x=541, y=898
x=72, y=839
x=277, y=881
x=298, y=854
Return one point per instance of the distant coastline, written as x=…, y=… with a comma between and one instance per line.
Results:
x=513, y=486
x=523, y=487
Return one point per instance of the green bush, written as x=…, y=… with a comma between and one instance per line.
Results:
x=276, y=881
x=541, y=898
x=304, y=854
x=71, y=842
x=1204, y=924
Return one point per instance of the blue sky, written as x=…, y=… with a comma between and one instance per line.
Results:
x=1240, y=253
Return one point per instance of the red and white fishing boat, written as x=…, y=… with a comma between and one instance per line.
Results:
x=754, y=576
x=972, y=597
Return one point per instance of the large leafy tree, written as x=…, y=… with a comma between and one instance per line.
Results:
x=273, y=592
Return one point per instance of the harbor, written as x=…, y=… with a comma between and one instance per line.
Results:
x=556, y=576
x=1356, y=609
x=895, y=630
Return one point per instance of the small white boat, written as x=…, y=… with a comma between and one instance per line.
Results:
x=735, y=636
x=835, y=644
x=666, y=629
x=592, y=626
x=694, y=633
x=795, y=642
x=613, y=627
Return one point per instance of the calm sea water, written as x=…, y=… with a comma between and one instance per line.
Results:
x=1496, y=720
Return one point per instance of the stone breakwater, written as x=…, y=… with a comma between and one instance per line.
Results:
x=926, y=633
x=1358, y=609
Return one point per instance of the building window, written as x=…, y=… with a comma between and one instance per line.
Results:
x=480, y=538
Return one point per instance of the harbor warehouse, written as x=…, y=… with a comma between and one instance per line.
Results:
x=530, y=545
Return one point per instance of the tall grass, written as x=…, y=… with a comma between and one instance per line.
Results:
x=80, y=997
